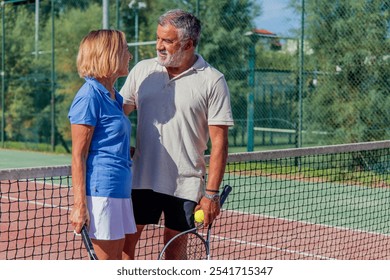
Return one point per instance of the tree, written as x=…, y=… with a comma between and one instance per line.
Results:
x=25, y=89
x=225, y=46
x=69, y=31
x=350, y=43
x=28, y=81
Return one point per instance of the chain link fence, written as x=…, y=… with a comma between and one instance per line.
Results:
x=325, y=83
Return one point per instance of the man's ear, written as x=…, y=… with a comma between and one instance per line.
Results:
x=189, y=44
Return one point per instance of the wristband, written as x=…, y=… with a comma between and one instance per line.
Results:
x=214, y=191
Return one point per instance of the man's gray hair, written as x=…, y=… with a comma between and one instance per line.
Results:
x=187, y=24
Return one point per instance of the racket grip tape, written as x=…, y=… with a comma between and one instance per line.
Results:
x=88, y=243
x=224, y=194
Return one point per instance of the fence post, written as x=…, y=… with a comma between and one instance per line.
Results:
x=250, y=100
x=250, y=104
x=2, y=76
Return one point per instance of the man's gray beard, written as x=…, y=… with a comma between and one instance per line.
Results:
x=173, y=61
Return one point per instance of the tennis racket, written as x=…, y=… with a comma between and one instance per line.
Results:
x=197, y=247
x=88, y=243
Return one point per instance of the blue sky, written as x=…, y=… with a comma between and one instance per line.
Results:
x=276, y=17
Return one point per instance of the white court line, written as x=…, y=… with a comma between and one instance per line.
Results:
x=295, y=221
x=309, y=223
x=238, y=241
x=255, y=244
x=36, y=203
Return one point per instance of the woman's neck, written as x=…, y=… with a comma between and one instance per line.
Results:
x=108, y=83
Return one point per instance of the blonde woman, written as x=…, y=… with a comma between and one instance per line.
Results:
x=101, y=164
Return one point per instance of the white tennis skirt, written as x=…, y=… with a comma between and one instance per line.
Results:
x=110, y=218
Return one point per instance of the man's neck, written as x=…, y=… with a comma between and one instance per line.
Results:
x=176, y=71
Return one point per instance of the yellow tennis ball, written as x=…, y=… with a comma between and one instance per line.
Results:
x=199, y=216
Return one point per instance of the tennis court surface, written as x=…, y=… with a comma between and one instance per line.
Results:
x=315, y=203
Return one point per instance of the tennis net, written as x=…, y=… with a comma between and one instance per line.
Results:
x=330, y=202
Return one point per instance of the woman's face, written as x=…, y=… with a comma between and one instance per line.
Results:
x=126, y=57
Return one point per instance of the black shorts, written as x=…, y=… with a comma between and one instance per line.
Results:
x=149, y=205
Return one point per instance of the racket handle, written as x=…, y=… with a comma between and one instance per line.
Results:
x=88, y=243
x=224, y=194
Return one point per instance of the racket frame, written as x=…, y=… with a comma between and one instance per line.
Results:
x=225, y=192
x=88, y=243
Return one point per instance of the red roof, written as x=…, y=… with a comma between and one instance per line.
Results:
x=264, y=32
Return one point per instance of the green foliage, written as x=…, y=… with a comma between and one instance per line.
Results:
x=351, y=36
x=275, y=60
x=69, y=33
x=225, y=46
x=29, y=81
x=25, y=83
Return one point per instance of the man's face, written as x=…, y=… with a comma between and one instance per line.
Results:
x=170, y=50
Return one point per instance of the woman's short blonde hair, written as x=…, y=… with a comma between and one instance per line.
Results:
x=101, y=53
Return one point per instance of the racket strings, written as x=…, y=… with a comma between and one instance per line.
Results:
x=176, y=249
x=190, y=246
x=196, y=248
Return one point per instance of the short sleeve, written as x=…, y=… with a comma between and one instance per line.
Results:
x=84, y=110
x=220, y=112
x=128, y=90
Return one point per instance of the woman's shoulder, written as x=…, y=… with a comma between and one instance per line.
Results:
x=87, y=90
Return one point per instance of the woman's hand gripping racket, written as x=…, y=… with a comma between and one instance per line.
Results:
x=88, y=243
x=197, y=247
